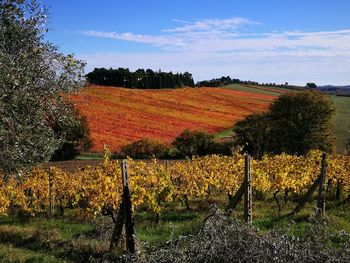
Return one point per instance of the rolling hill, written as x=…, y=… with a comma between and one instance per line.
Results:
x=118, y=116
x=341, y=104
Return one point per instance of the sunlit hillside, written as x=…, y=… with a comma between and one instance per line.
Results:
x=118, y=116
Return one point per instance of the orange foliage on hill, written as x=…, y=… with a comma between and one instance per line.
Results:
x=118, y=116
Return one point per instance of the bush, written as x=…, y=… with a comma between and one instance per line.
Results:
x=187, y=144
x=198, y=143
x=190, y=143
x=143, y=149
x=73, y=130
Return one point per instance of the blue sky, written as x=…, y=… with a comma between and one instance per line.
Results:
x=267, y=41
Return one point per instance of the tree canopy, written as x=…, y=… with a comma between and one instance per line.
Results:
x=140, y=79
x=219, y=82
x=33, y=75
x=190, y=143
x=311, y=85
x=143, y=149
x=73, y=127
x=302, y=122
x=253, y=133
x=295, y=124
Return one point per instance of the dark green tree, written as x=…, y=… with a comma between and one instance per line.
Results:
x=253, y=134
x=73, y=128
x=140, y=79
x=311, y=85
x=301, y=122
x=33, y=75
x=143, y=149
x=190, y=143
x=295, y=124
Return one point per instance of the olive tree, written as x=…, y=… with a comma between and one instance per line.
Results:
x=33, y=75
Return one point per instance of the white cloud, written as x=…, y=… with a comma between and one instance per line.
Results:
x=213, y=47
x=296, y=68
x=212, y=25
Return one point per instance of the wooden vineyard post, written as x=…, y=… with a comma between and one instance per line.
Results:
x=50, y=194
x=248, y=200
x=166, y=165
x=235, y=199
x=320, y=183
x=125, y=216
x=129, y=218
x=321, y=204
x=338, y=191
x=246, y=190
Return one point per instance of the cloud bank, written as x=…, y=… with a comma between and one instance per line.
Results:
x=214, y=47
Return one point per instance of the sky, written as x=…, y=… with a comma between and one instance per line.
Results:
x=269, y=41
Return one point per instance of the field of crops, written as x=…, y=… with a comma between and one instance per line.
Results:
x=156, y=182
x=119, y=116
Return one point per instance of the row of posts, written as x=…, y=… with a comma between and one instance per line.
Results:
x=125, y=216
x=246, y=191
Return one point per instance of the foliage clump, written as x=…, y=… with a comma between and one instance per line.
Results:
x=140, y=79
x=143, y=149
x=33, y=76
x=186, y=145
x=198, y=143
x=74, y=129
x=295, y=124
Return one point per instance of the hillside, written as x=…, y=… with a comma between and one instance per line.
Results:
x=118, y=116
x=342, y=121
x=342, y=107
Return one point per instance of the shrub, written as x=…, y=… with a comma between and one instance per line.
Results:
x=73, y=130
x=143, y=149
x=198, y=143
x=252, y=133
x=190, y=143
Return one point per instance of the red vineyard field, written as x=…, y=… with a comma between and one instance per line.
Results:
x=119, y=116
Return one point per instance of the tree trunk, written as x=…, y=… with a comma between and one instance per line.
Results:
x=277, y=202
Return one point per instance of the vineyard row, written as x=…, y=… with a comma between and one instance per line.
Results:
x=93, y=188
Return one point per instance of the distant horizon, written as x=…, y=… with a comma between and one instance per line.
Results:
x=243, y=80
x=264, y=41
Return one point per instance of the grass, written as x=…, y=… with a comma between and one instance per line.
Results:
x=224, y=134
x=172, y=225
x=8, y=253
x=90, y=156
x=67, y=228
x=342, y=121
x=259, y=90
x=40, y=239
